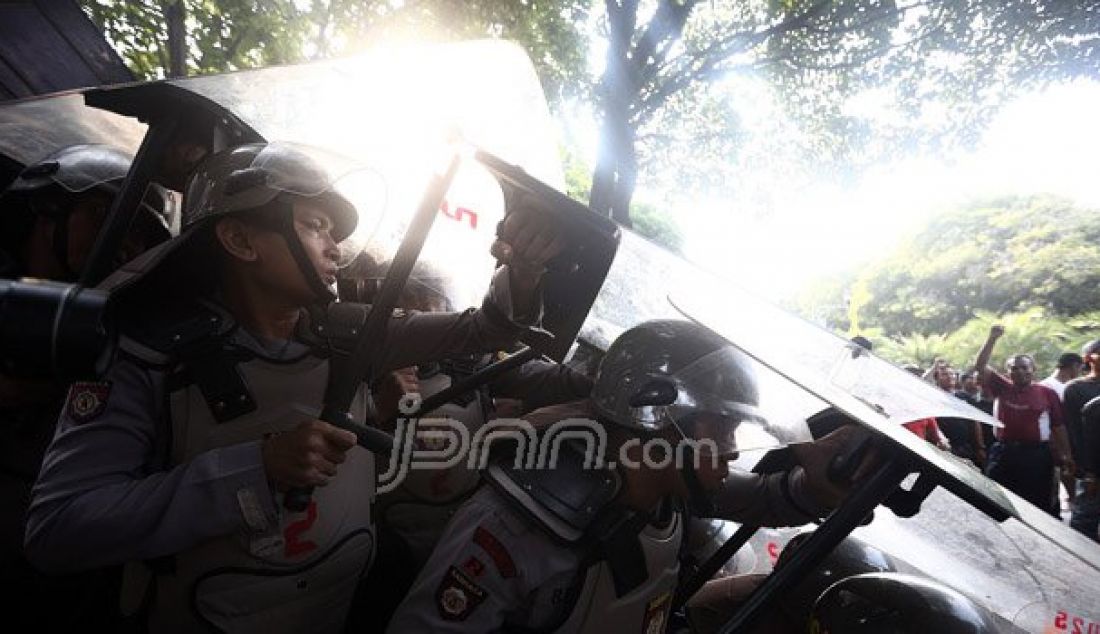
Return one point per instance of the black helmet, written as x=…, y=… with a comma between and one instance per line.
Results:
x=669, y=372
x=75, y=169
x=852, y=556
x=48, y=186
x=429, y=287
x=892, y=603
x=250, y=176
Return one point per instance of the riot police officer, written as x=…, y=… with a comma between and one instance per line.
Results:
x=577, y=549
x=50, y=216
x=180, y=459
x=412, y=516
x=53, y=210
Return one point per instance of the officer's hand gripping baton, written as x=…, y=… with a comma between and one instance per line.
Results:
x=347, y=374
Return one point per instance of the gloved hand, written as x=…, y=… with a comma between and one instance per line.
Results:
x=815, y=458
x=526, y=241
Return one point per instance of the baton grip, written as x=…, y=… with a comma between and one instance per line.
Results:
x=372, y=439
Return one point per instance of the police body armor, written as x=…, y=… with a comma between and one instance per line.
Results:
x=631, y=559
x=295, y=574
x=420, y=507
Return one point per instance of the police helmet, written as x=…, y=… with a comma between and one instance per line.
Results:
x=75, y=169
x=48, y=186
x=87, y=167
x=669, y=372
x=852, y=556
x=248, y=177
x=429, y=287
x=892, y=603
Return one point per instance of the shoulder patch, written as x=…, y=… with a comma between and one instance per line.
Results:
x=87, y=400
x=502, y=559
x=458, y=596
x=474, y=567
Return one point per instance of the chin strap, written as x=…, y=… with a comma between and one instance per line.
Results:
x=294, y=244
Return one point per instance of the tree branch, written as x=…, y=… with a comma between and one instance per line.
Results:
x=707, y=59
x=666, y=27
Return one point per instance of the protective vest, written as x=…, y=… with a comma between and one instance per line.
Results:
x=296, y=574
x=420, y=507
x=632, y=562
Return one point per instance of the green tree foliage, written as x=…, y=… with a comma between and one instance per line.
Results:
x=235, y=34
x=999, y=256
x=917, y=349
x=658, y=225
x=578, y=174
x=945, y=64
x=1029, y=263
x=826, y=303
x=649, y=220
x=1034, y=331
x=220, y=36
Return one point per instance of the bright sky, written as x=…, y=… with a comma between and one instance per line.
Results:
x=1042, y=143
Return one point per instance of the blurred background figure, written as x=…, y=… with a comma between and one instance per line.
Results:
x=1083, y=424
x=1069, y=367
x=963, y=435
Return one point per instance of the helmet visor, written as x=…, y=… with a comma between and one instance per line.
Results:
x=77, y=169
x=731, y=403
x=455, y=267
x=353, y=193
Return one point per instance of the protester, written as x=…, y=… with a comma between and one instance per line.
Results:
x=1068, y=368
x=1084, y=433
x=963, y=435
x=1033, y=439
x=929, y=430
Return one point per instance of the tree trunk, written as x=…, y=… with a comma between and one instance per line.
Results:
x=616, y=170
x=615, y=174
x=175, y=14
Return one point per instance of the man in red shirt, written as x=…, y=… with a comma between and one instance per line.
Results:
x=928, y=429
x=1033, y=439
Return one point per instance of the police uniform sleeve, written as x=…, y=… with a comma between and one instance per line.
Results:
x=541, y=383
x=774, y=499
x=102, y=498
x=484, y=572
x=419, y=337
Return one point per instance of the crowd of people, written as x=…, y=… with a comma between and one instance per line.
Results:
x=1050, y=440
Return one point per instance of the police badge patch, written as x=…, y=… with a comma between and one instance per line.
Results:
x=457, y=596
x=87, y=400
